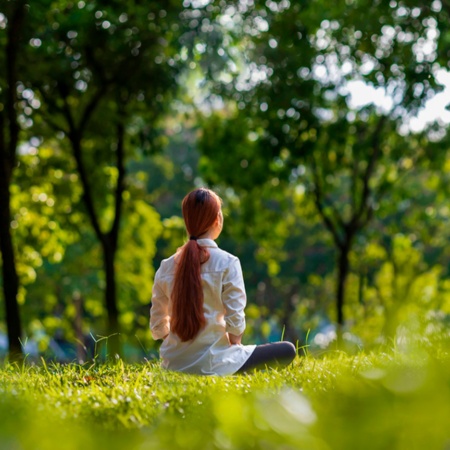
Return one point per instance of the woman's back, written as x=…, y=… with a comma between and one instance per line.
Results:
x=223, y=305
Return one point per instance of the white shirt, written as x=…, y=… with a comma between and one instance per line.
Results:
x=210, y=352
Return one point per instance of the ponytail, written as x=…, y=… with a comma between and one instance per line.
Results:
x=187, y=295
x=200, y=210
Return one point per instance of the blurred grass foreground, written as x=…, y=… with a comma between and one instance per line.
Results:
x=393, y=399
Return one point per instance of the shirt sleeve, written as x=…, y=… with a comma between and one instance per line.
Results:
x=234, y=298
x=159, y=312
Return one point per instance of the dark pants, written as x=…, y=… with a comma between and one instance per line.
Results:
x=276, y=354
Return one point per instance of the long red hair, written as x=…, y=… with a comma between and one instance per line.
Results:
x=200, y=210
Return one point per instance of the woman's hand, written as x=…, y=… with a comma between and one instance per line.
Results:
x=235, y=340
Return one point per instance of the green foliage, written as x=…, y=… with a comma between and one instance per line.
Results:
x=292, y=124
x=141, y=229
x=44, y=191
x=397, y=399
x=59, y=260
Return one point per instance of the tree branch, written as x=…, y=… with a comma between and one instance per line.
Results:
x=66, y=111
x=319, y=200
x=48, y=117
x=114, y=232
x=75, y=140
x=90, y=108
x=376, y=149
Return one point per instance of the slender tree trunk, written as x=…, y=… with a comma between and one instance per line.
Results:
x=342, y=278
x=9, y=274
x=113, y=327
x=78, y=328
x=108, y=240
x=9, y=136
x=343, y=271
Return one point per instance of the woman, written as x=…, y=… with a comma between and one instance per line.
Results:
x=199, y=298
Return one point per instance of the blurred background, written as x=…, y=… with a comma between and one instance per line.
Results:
x=321, y=124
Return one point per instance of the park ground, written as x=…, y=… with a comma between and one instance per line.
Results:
x=396, y=397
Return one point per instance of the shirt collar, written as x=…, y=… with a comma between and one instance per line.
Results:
x=207, y=243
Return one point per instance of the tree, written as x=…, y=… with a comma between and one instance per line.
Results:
x=302, y=124
x=93, y=94
x=12, y=25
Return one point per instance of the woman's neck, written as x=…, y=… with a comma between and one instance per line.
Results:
x=208, y=235
x=213, y=233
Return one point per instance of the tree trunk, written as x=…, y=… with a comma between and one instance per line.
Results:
x=113, y=327
x=78, y=328
x=9, y=274
x=9, y=136
x=108, y=243
x=343, y=271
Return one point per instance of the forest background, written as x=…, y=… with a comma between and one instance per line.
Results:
x=302, y=115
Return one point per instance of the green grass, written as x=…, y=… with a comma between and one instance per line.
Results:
x=383, y=400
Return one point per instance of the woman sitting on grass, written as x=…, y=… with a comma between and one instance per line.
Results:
x=199, y=298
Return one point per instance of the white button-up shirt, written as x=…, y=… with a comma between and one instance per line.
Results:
x=210, y=352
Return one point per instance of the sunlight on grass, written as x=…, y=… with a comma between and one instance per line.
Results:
x=394, y=399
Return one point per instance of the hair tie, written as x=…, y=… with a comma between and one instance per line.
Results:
x=193, y=238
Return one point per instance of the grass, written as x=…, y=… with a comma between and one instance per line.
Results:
x=382, y=400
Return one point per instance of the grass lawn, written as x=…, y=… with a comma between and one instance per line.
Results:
x=394, y=399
